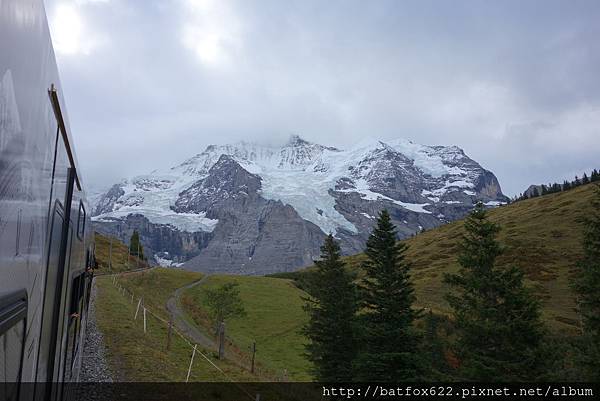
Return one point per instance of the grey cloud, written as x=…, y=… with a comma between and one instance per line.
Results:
x=514, y=83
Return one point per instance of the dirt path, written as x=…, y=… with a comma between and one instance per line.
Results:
x=192, y=331
x=182, y=325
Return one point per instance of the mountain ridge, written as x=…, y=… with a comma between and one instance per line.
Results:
x=325, y=190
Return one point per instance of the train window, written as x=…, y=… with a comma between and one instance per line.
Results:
x=81, y=221
x=74, y=326
x=75, y=294
x=13, y=312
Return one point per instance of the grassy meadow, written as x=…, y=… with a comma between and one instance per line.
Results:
x=274, y=317
x=542, y=236
x=137, y=356
x=119, y=255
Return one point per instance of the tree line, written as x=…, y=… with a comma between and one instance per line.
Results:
x=556, y=187
x=369, y=329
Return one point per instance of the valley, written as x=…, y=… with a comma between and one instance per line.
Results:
x=542, y=236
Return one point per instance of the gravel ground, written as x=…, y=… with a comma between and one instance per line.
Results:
x=94, y=367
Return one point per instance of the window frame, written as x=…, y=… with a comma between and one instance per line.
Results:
x=13, y=310
x=81, y=221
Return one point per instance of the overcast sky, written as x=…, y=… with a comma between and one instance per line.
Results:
x=149, y=83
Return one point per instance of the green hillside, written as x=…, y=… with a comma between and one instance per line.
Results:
x=542, y=236
x=137, y=356
x=118, y=255
x=274, y=319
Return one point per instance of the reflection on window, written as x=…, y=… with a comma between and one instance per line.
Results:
x=11, y=349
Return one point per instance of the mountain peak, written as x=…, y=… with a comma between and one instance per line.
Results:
x=295, y=140
x=227, y=203
x=225, y=161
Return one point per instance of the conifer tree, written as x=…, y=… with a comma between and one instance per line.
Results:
x=222, y=303
x=497, y=318
x=535, y=193
x=332, y=317
x=135, y=244
x=566, y=185
x=433, y=349
x=595, y=176
x=556, y=188
x=585, y=179
x=587, y=286
x=390, y=351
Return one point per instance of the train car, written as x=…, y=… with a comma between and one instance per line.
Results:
x=46, y=239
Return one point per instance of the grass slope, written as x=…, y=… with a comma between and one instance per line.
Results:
x=542, y=236
x=137, y=356
x=274, y=319
x=121, y=261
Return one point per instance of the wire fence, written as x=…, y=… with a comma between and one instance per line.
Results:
x=142, y=312
x=243, y=349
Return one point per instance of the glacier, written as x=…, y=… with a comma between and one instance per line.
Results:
x=303, y=175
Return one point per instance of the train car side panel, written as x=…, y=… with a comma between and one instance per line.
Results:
x=46, y=238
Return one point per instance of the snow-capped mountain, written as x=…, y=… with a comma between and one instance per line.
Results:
x=251, y=209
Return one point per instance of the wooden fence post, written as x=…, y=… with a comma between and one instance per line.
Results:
x=169, y=332
x=144, y=319
x=110, y=255
x=222, y=341
x=137, y=309
x=191, y=362
x=253, y=356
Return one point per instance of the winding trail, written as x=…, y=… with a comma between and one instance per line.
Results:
x=192, y=331
x=182, y=324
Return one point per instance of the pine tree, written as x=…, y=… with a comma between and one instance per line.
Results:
x=566, y=185
x=556, y=188
x=585, y=179
x=595, y=176
x=433, y=349
x=497, y=318
x=390, y=342
x=587, y=286
x=223, y=303
x=332, y=324
x=135, y=244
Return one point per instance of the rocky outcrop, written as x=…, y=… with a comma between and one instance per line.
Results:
x=261, y=238
x=226, y=181
x=487, y=186
x=163, y=240
x=107, y=201
x=254, y=235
